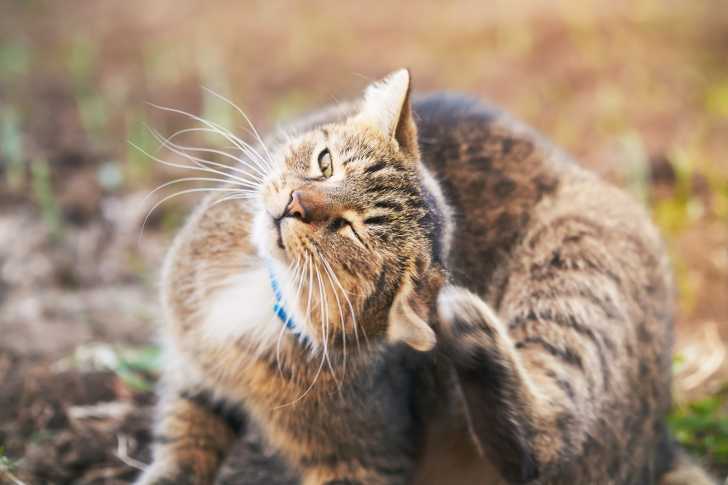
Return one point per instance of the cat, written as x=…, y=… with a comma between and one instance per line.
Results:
x=418, y=290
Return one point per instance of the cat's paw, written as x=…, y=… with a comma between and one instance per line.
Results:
x=465, y=321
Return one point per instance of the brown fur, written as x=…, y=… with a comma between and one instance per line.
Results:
x=553, y=367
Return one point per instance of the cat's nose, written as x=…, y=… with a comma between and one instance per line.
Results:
x=307, y=206
x=296, y=208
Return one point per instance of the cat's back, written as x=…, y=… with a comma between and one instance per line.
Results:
x=505, y=182
x=574, y=268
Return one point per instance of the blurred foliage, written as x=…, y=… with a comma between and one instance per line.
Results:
x=139, y=166
x=46, y=199
x=702, y=428
x=674, y=213
x=716, y=99
x=11, y=147
x=81, y=64
x=7, y=469
x=138, y=367
x=14, y=59
x=6, y=464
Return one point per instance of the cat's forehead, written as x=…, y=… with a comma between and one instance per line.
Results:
x=298, y=151
x=341, y=139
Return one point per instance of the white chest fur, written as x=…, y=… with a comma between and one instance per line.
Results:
x=241, y=308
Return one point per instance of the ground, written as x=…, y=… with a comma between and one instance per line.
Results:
x=637, y=91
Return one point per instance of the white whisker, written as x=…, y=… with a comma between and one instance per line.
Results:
x=246, y=163
x=186, y=179
x=191, y=167
x=242, y=145
x=308, y=389
x=308, y=319
x=233, y=197
x=327, y=271
x=203, y=162
x=250, y=123
x=182, y=192
x=324, y=310
x=199, y=129
x=348, y=302
x=258, y=175
x=292, y=278
x=308, y=299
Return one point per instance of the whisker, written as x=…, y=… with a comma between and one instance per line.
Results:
x=191, y=167
x=259, y=175
x=233, y=197
x=324, y=310
x=185, y=179
x=242, y=145
x=308, y=302
x=323, y=357
x=308, y=389
x=250, y=123
x=292, y=275
x=327, y=271
x=199, y=129
x=203, y=162
x=182, y=192
x=348, y=302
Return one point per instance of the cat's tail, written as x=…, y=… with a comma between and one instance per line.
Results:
x=685, y=471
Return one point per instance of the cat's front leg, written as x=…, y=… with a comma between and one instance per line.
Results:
x=510, y=415
x=192, y=438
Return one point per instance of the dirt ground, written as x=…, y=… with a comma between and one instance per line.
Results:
x=636, y=90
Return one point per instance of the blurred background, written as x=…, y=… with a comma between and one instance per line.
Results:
x=637, y=90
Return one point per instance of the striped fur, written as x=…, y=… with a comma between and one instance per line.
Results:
x=513, y=312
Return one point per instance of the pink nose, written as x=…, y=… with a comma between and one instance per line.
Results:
x=309, y=206
x=295, y=208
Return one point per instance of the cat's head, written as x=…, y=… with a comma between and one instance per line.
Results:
x=350, y=217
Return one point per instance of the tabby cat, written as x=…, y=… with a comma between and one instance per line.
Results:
x=402, y=290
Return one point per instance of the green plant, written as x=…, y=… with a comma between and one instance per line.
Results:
x=6, y=463
x=702, y=428
x=137, y=367
x=81, y=64
x=139, y=167
x=7, y=469
x=674, y=213
x=46, y=199
x=11, y=147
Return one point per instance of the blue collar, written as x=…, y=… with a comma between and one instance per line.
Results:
x=279, y=309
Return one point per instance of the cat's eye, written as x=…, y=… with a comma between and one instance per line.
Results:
x=338, y=223
x=344, y=226
x=326, y=163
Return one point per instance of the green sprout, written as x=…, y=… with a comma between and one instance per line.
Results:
x=43, y=192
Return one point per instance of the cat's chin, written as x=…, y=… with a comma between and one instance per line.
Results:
x=274, y=247
x=274, y=252
x=267, y=238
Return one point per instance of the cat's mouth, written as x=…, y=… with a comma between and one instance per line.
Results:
x=269, y=236
x=279, y=235
x=283, y=234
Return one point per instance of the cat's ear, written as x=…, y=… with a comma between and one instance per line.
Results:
x=387, y=107
x=408, y=321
